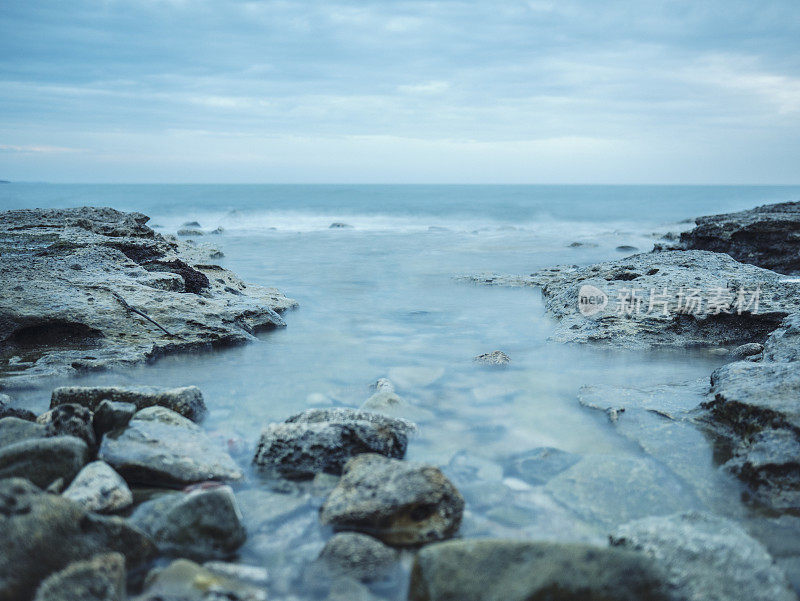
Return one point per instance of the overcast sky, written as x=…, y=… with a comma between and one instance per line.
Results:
x=572, y=91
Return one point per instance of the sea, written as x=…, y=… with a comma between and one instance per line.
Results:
x=382, y=297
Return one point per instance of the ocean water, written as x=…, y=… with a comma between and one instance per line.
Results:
x=379, y=299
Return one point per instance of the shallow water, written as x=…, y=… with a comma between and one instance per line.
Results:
x=379, y=300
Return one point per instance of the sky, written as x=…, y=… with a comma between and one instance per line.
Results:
x=396, y=91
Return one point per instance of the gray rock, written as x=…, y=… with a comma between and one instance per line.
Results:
x=337, y=225
x=44, y=460
x=69, y=420
x=201, y=524
x=357, y=556
x=322, y=440
x=97, y=487
x=611, y=490
x=493, y=358
x=184, y=580
x=400, y=503
x=14, y=429
x=187, y=401
x=187, y=231
x=6, y=410
x=111, y=415
x=160, y=447
x=384, y=401
x=101, y=578
x=784, y=343
x=707, y=558
x=716, y=276
x=381, y=385
x=90, y=274
x=44, y=533
x=237, y=571
x=747, y=350
x=765, y=236
x=502, y=570
x=265, y=510
x=538, y=466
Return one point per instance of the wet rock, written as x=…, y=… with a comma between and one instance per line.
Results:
x=722, y=311
x=162, y=448
x=765, y=236
x=184, y=580
x=322, y=440
x=13, y=429
x=104, y=290
x=189, y=231
x=237, y=571
x=201, y=524
x=69, y=420
x=264, y=510
x=338, y=225
x=502, y=570
x=627, y=248
x=493, y=358
x=6, y=410
x=44, y=533
x=538, y=466
x=187, y=401
x=611, y=490
x=707, y=558
x=747, y=350
x=358, y=556
x=44, y=460
x=101, y=578
x=111, y=415
x=398, y=502
x=783, y=344
x=97, y=487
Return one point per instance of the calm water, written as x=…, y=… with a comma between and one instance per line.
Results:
x=379, y=299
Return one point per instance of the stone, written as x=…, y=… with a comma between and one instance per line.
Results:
x=338, y=225
x=69, y=420
x=187, y=401
x=747, y=350
x=783, y=345
x=765, y=236
x=707, y=558
x=400, y=503
x=103, y=290
x=101, y=578
x=201, y=524
x=14, y=429
x=493, y=358
x=162, y=448
x=111, y=415
x=537, y=466
x=322, y=440
x=185, y=580
x=44, y=533
x=44, y=460
x=505, y=570
x=188, y=231
x=357, y=556
x=237, y=571
x=719, y=279
x=384, y=401
x=6, y=410
x=97, y=487
x=264, y=510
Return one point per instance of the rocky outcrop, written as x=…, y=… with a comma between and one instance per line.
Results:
x=401, y=503
x=97, y=487
x=186, y=401
x=323, y=440
x=665, y=299
x=101, y=578
x=707, y=558
x=102, y=289
x=163, y=448
x=767, y=236
x=502, y=570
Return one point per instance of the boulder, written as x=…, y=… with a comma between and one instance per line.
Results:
x=201, y=524
x=765, y=236
x=707, y=558
x=44, y=533
x=97, y=487
x=101, y=578
x=44, y=460
x=160, y=447
x=111, y=415
x=357, y=556
x=400, y=503
x=6, y=410
x=69, y=420
x=493, y=358
x=322, y=440
x=503, y=570
x=185, y=580
x=14, y=429
x=187, y=401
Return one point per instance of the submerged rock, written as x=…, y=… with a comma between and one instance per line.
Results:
x=69, y=420
x=201, y=524
x=357, y=556
x=184, y=580
x=538, y=466
x=101, y=578
x=765, y=236
x=103, y=290
x=97, y=487
x=187, y=401
x=338, y=225
x=44, y=533
x=503, y=570
x=44, y=460
x=493, y=358
x=322, y=440
x=401, y=503
x=160, y=447
x=707, y=558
